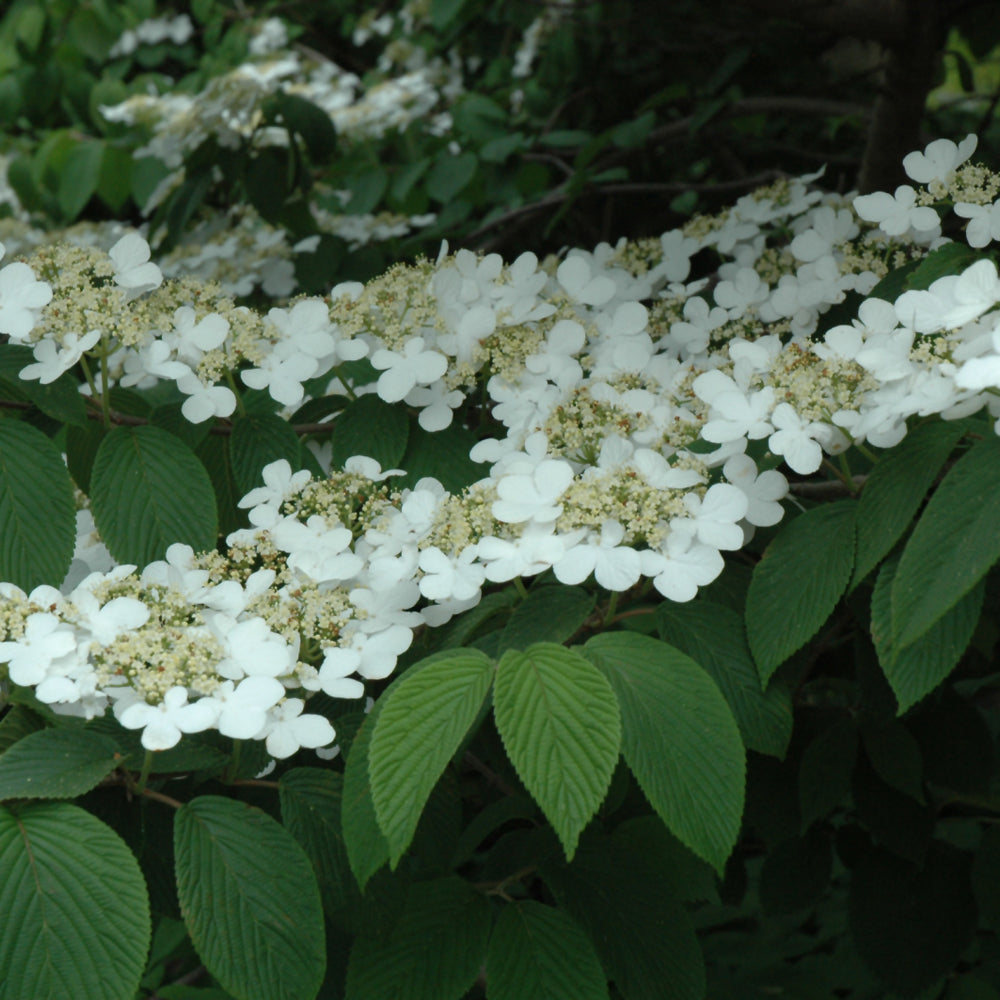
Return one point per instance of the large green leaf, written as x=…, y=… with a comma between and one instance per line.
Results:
x=560, y=725
x=56, y=764
x=371, y=427
x=540, y=953
x=256, y=441
x=434, y=951
x=367, y=848
x=914, y=671
x=642, y=934
x=679, y=738
x=37, y=512
x=897, y=487
x=421, y=725
x=75, y=909
x=149, y=490
x=798, y=581
x=17, y=722
x=955, y=542
x=714, y=637
x=310, y=809
x=250, y=900
x=547, y=614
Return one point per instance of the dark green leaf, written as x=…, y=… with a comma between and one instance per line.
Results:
x=37, y=511
x=367, y=848
x=897, y=487
x=560, y=725
x=713, y=636
x=75, y=908
x=247, y=890
x=910, y=924
x=443, y=455
x=435, y=949
x=798, y=582
x=540, y=953
x=149, y=490
x=56, y=764
x=311, y=122
x=548, y=614
x=951, y=258
x=642, y=934
x=679, y=739
x=825, y=771
x=79, y=177
x=257, y=441
x=371, y=427
x=955, y=542
x=450, y=175
x=796, y=872
x=420, y=726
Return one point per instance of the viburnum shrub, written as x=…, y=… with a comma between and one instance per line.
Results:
x=488, y=628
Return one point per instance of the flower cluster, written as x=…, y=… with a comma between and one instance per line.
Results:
x=638, y=411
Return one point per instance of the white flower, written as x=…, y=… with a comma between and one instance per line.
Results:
x=682, y=567
x=280, y=483
x=21, y=299
x=575, y=275
x=45, y=639
x=985, y=224
x=288, y=729
x=335, y=673
x=616, y=567
x=133, y=272
x=534, y=495
x=243, y=708
x=163, y=724
x=402, y=370
x=252, y=649
x=52, y=360
x=896, y=213
x=282, y=373
x=450, y=578
x=106, y=623
x=715, y=517
x=205, y=401
x=795, y=439
x=762, y=492
x=939, y=159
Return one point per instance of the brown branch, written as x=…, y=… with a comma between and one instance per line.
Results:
x=828, y=488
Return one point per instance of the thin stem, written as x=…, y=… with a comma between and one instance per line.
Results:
x=160, y=797
x=520, y=587
x=147, y=766
x=609, y=617
x=232, y=768
x=236, y=392
x=105, y=386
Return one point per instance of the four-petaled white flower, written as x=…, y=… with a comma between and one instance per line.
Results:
x=133, y=271
x=402, y=370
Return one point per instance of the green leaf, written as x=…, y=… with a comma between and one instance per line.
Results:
x=79, y=176
x=256, y=441
x=16, y=723
x=714, y=637
x=443, y=455
x=435, y=949
x=213, y=453
x=37, y=511
x=896, y=488
x=679, y=739
x=443, y=12
x=642, y=934
x=914, y=671
x=372, y=427
x=955, y=542
x=311, y=122
x=147, y=491
x=825, y=771
x=75, y=908
x=56, y=764
x=247, y=890
x=81, y=450
x=422, y=723
x=60, y=399
x=796, y=872
x=450, y=175
x=911, y=925
x=367, y=848
x=170, y=417
x=798, y=582
x=548, y=614
x=560, y=725
x=951, y=258
x=539, y=953
x=311, y=811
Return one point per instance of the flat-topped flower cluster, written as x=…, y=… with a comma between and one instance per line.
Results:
x=623, y=389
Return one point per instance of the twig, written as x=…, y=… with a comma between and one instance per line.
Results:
x=828, y=488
